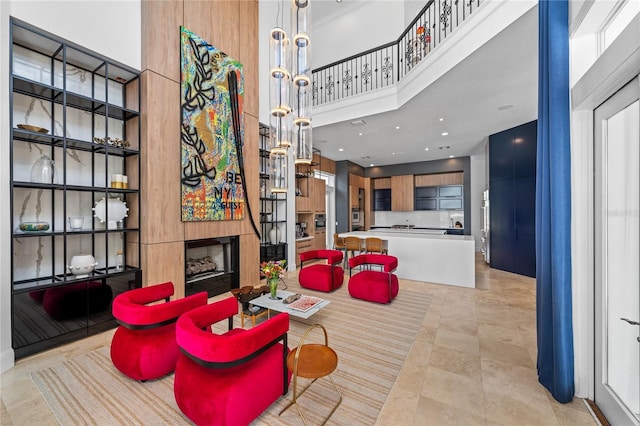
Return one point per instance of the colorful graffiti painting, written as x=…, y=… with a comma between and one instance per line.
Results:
x=211, y=184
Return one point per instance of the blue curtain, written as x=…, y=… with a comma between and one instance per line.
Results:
x=553, y=203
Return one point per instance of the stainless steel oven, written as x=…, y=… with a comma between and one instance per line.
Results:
x=320, y=221
x=355, y=217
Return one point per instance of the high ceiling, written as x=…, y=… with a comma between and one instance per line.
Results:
x=472, y=100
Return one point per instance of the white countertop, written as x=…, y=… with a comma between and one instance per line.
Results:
x=404, y=233
x=304, y=238
x=442, y=259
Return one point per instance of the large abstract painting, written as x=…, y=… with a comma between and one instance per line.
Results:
x=211, y=180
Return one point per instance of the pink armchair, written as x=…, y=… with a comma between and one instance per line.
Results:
x=229, y=378
x=374, y=286
x=144, y=345
x=322, y=277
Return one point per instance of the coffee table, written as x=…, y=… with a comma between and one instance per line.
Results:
x=265, y=301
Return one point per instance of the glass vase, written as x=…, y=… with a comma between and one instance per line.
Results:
x=43, y=170
x=273, y=288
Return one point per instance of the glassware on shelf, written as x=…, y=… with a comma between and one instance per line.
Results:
x=76, y=223
x=43, y=170
x=119, y=260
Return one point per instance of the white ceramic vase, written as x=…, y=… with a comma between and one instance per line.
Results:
x=274, y=235
x=81, y=265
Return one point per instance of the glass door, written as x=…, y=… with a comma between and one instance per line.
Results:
x=617, y=256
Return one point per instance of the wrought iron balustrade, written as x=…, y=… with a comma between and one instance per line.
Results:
x=385, y=65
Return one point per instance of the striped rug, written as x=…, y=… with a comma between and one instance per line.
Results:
x=371, y=340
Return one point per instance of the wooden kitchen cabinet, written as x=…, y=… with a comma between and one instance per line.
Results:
x=402, y=193
x=438, y=179
x=302, y=246
x=320, y=240
x=319, y=195
x=382, y=183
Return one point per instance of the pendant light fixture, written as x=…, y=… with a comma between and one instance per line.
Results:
x=290, y=95
x=301, y=63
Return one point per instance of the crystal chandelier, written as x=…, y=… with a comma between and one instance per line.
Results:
x=290, y=95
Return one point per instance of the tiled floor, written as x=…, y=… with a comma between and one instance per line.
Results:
x=473, y=363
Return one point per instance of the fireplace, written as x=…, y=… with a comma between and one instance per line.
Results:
x=212, y=265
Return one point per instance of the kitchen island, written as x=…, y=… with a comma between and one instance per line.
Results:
x=435, y=258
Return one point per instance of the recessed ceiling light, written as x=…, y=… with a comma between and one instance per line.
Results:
x=441, y=119
x=340, y=149
x=371, y=165
x=358, y=122
x=393, y=153
x=451, y=156
x=397, y=127
x=426, y=149
x=445, y=133
x=360, y=134
x=505, y=106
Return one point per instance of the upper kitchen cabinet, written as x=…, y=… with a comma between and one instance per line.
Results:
x=438, y=179
x=74, y=179
x=402, y=193
x=382, y=194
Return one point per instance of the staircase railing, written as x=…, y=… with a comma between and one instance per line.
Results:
x=385, y=65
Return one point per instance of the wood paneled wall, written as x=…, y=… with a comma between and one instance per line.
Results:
x=231, y=27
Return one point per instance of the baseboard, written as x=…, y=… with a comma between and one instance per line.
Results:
x=7, y=360
x=596, y=413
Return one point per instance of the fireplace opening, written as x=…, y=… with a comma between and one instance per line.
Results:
x=212, y=265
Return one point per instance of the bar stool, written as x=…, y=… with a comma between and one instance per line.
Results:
x=338, y=244
x=352, y=244
x=312, y=361
x=374, y=245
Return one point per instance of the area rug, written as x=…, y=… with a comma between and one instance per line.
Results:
x=371, y=340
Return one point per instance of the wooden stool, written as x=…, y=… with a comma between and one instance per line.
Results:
x=245, y=295
x=312, y=361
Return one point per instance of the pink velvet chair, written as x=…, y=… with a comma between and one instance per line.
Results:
x=374, y=286
x=229, y=378
x=144, y=345
x=320, y=276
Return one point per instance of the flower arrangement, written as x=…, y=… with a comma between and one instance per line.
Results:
x=273, y=269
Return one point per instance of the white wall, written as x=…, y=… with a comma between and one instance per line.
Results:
x=110, y=28
x=361, y=26
x=478, y=179
x=6, y=352
x=590, y=87
x=343, y=30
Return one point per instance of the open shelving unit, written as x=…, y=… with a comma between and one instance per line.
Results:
x=273, y=208
x=85, y=109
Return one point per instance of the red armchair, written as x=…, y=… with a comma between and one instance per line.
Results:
x=374, y=286
x=322, y=277
x=144, y=345
x=229, y=378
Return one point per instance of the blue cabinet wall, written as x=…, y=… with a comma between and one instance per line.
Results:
x=512, y=194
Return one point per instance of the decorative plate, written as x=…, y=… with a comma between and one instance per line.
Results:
x=31, y=128
x=34, y=226
x=117, y=210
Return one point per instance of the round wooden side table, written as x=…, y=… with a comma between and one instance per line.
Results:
x=312, y=361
